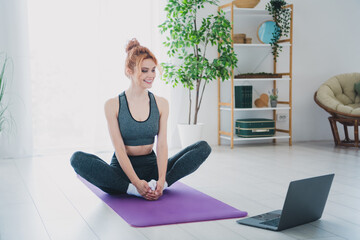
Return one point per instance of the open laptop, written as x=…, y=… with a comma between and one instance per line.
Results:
x=304, y=203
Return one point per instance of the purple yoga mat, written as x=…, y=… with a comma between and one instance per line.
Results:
x=179, y=204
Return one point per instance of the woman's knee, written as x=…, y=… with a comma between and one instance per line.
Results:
x=77, y=158
x=204, y=148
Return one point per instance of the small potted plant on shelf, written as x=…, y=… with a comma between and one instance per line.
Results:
x=273, y=97
x=190, y=36
x=282, y=17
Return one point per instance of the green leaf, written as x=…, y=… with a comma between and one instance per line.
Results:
x=189, y=43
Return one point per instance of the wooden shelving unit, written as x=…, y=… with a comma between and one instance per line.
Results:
x=287, y=76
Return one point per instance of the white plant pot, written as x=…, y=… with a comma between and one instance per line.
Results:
x=190, y=134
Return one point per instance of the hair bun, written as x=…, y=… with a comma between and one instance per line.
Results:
x=132, y=44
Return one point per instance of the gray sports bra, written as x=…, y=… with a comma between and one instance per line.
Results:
x=136, y=133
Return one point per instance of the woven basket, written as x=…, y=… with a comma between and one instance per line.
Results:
x=239, y=38
x=246, y=3
x=248, y=40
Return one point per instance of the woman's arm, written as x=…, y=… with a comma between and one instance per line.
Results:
x=111, y=112
x=162, y=147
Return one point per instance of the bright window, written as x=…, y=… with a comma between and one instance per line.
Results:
x=77, y=62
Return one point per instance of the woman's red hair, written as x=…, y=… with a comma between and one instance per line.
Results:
x=135, y=55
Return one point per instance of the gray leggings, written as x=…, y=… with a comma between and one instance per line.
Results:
x=112, y=179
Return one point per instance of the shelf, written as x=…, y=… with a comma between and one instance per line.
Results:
x=247, y=11
x=262, y=79
x=245, y=20
x=276, y=136
x=257, y=45
x=254, y=109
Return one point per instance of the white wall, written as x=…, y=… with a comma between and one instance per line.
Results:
x=326, y=43
x=77, y=71
x=14, y=42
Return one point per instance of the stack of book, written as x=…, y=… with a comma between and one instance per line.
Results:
x=243, y=96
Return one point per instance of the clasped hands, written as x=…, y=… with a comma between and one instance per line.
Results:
x=145, y=190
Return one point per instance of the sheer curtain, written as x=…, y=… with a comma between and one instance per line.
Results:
x=16, y=140
x=77, y=62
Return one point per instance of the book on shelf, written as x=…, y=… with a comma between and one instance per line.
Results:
x=243, y=96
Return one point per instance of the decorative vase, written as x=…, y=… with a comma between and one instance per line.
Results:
x=190, y=134
x=246, y=3
x=273, y=103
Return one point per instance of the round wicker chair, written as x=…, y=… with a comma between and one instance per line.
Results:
x=338, y=97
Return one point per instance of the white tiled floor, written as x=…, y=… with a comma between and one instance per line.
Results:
x=41, y=198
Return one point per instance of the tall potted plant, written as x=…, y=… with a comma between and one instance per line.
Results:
x=188, y=39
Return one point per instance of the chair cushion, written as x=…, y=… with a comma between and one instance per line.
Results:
x=338, y=93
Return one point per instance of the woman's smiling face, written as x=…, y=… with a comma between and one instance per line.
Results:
x=147, y=73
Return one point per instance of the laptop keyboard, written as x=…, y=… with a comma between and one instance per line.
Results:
x=267, y=216
x=273, y=222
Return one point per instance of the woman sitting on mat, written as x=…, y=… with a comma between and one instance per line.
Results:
x=134, y=118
